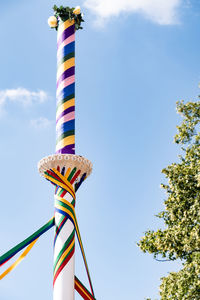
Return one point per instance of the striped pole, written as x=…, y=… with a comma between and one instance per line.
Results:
x=65, y=113
x=64, y=245
x=65, y=170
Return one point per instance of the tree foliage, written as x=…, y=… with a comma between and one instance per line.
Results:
x=180, y=238
x=67, y=12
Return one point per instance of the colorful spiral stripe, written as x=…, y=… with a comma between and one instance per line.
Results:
x=65, y=94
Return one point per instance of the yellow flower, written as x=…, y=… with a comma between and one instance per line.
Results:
x=77, y=10
x=52, y=21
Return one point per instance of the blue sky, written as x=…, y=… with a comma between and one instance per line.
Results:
x=134, y=60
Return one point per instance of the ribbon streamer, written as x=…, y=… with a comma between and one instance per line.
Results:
x=17, y=262
x=66, y=209
x=81, y=289
x=12, y=252
x=63, y=185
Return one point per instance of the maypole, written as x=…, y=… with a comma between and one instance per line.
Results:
x=64, y=169
x=71, y=169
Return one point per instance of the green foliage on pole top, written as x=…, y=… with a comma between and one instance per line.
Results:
x=65, y=13
x=180, y=238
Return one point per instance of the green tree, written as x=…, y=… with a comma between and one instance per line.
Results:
x=180, y=238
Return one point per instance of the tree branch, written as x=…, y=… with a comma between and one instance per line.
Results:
x=162, y=260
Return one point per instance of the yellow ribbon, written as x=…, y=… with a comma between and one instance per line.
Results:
x=17, y=262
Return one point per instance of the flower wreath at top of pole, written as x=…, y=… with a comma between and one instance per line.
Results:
x=65, y=13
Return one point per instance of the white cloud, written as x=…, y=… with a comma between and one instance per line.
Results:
x=163, y=12
x=22, y=96
x=41, y=123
